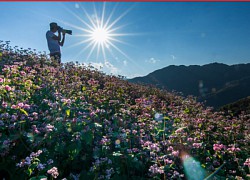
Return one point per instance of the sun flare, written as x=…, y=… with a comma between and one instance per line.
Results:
x=100, y=35
x=100, y=32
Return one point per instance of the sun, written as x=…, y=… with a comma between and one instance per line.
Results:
x=100, y=32
x=100, y=35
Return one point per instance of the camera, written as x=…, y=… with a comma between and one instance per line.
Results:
x=60, y=29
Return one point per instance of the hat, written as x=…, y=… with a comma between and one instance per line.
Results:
x=53, y=25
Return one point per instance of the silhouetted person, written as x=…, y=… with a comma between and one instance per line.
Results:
x=54, y=41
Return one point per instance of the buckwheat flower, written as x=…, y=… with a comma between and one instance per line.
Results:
x=168, y=161
x=14, y=117
x=216, y=163
x=14, y=106
x=176, y=173
x=53, y=172
x=49, y=128
x=50, y=161
x=170, y=148
x=218, y=147
x=1, y=123
x=247, y=162
x=7, y=88
x=4, y=104
x=129, y=151
x=180, y=130
x=233, y=149
x=154, y=169
x=32, y=155
x=21, y=164
x=197, y=145
x=134, y=132
x=22, y=73
x=208, y=159
x=27, y=161
x=40, y=166
x=154, y=147
x=109, y=161
x=26, y=106
x=104, y=141
x=20, y=105
x=109, y=172
x=135, y=150
x=175, y=153
x=6, y=143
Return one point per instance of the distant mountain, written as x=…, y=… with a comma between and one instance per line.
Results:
x=216, y=83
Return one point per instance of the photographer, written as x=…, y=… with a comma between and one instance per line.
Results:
x=54, y=41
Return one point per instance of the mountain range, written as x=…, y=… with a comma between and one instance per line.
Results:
x=215, y=84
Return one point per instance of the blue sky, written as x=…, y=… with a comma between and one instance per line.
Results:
x=149, y=35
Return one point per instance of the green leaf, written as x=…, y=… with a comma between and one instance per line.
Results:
x=84, y=88
x=68, y=112
x=20, y=122
x=186, y=111
x=24, y=112
x=166, y=118
x=29, y=171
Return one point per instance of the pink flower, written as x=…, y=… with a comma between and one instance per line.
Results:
x=20, y=105
x=168, y=161
x=138, y=100
x=247, y=162
x=197, y=145
x=134, y=132
x=218, y=147
x=53, y=172
x=7, y=88
x=154, y=169
x=170, y=148
x=233, y=149
x=1, y=80
x=4, y=104
x=180, y=130
x=26, y=106
x=22, y=73
x=175, y=153
x=49, y=128
x=14, y=106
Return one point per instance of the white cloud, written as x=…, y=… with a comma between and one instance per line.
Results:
x=98, y=66
x=111, y=68
x=173, y=57
x=152, y=60
x=125, y=63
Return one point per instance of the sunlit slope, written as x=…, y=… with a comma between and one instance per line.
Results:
x=71, y=121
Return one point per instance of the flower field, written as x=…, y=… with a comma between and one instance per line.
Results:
x=70, y=121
